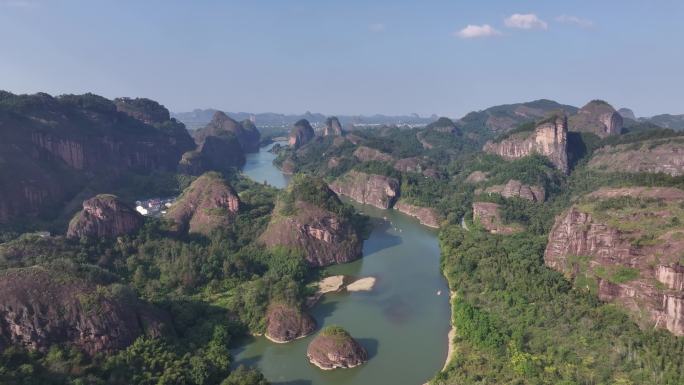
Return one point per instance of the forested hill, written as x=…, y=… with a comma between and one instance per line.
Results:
x=561, y=238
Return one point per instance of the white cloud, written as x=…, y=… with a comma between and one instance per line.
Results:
x=473, y=31
x=525, y=21
x=574, y=20
x=377, y=27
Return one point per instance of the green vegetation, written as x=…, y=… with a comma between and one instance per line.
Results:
x=334, y=331
x=519, y=322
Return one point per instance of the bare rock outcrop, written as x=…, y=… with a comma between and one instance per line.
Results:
x=597, y=117
x=376, y=190
x=651, y=156
x=334, y=348
x=209, y=203
x=301, y=134
x=287, y=323
x=627, y=113
x=332, y=127
x=52, y=147
x=549, y=138
x=515, y=188
x=301, y=222
x=627, y=252
x=104, y=216
x=426, y=215
x=221, y=124
x=489, y=216
x=42, y=307
x=366, y=154
x=477, y=177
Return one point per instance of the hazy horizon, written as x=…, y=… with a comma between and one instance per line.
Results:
x=355, y=58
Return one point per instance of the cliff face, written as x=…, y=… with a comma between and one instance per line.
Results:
x=222, y=125
x=286, y=323
x=549, y=138
x=376, y=190
x=366, y=154
x=221, y=145
x=417, y=165
x=629, y=253
x=489, y=216
x=209, y=203
x=515, y=188
x=652, y=156
x=301, y=134
x=322, y=236
x=597, y=117
x=104, y=216
x=426, y=215
x=42, y=307
x=332, y=127
x=52, y=147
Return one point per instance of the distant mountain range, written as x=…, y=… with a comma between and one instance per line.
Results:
x=200, y=117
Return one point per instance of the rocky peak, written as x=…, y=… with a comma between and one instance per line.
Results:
x=287, y=323
x=515, y=188
x=332, y=127
x=597, y=117
x=301, y=133
x=309, y=217
x=625, y=245
x=221, y=125
x=44, y=306
x=627, y=113
x=443, y=125
x=549, y=138
x=104, y=216
x=489, y=216
x=335, y=348
x=376, y=190
x=145, y=110
x=209, y=203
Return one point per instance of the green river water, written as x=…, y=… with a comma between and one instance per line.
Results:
x=403, y=322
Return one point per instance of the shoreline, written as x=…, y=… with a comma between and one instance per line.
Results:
x=452, y=331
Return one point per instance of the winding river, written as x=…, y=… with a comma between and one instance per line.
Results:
x=403, y=322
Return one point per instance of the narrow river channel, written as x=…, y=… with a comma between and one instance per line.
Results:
x=403, y=322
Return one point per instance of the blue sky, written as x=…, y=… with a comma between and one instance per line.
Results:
x=349, y=57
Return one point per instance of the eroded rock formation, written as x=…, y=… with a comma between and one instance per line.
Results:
x=322, y=236
x=332, y=127
x=652, y=156
x=426, y=215
x=597, y=117
x=209, y=203
x=376, y=190
x=629, y=256
x=301, y=133
x=221, y=124
x=42, y=307
x=515, y=188
x=549, y=138
x=489, y=216
x=53, y=146
x=104, y=216
x=334, y=348
x=287, y=323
